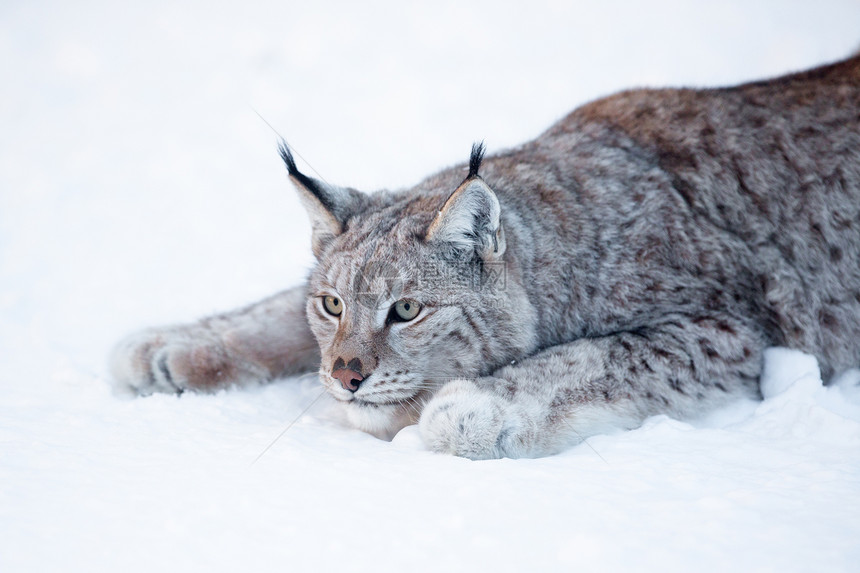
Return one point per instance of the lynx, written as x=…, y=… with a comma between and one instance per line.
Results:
x=635, y=259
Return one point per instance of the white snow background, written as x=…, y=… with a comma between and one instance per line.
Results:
x=139, y=187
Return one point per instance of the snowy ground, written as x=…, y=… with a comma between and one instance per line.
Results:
x=137, y=186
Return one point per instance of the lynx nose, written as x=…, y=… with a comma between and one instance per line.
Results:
x=349, y=373
x=349, y=379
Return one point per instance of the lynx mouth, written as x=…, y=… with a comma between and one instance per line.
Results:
x=369, y=404
x=383, y=418
x=352, y=400
x=418, y=396
x=382, y=403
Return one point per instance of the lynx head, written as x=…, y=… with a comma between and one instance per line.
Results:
x=410, y=290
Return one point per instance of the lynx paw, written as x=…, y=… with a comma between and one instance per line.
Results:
x=469, y=422
x=169, y=361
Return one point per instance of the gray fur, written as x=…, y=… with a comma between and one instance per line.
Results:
x=635, y=259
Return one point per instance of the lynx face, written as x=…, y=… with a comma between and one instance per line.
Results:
x=395, y=320
x=405, y=296
x=380, y=365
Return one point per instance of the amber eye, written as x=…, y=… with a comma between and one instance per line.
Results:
x=406, y=309
x=332, y=305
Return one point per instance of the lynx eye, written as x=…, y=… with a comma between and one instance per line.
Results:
x=332, y=305
x=405, y=310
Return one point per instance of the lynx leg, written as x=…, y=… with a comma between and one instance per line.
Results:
x=257, y=343
x=566, y=393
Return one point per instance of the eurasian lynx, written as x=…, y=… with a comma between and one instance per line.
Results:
x=633, y=260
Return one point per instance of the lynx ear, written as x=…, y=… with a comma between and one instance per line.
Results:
x=328, y=206
x=470, y=218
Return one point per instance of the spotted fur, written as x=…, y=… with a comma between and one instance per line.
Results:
x=633, y=260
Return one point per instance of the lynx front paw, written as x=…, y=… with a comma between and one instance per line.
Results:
x=469, y=422
x=169, y=361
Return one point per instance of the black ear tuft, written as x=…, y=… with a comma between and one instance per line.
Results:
x=313, y=186
x=287, y=156
x=475, y=159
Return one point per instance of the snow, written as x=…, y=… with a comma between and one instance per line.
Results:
x=138, y=187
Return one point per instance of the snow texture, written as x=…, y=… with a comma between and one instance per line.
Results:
x=138, y=187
